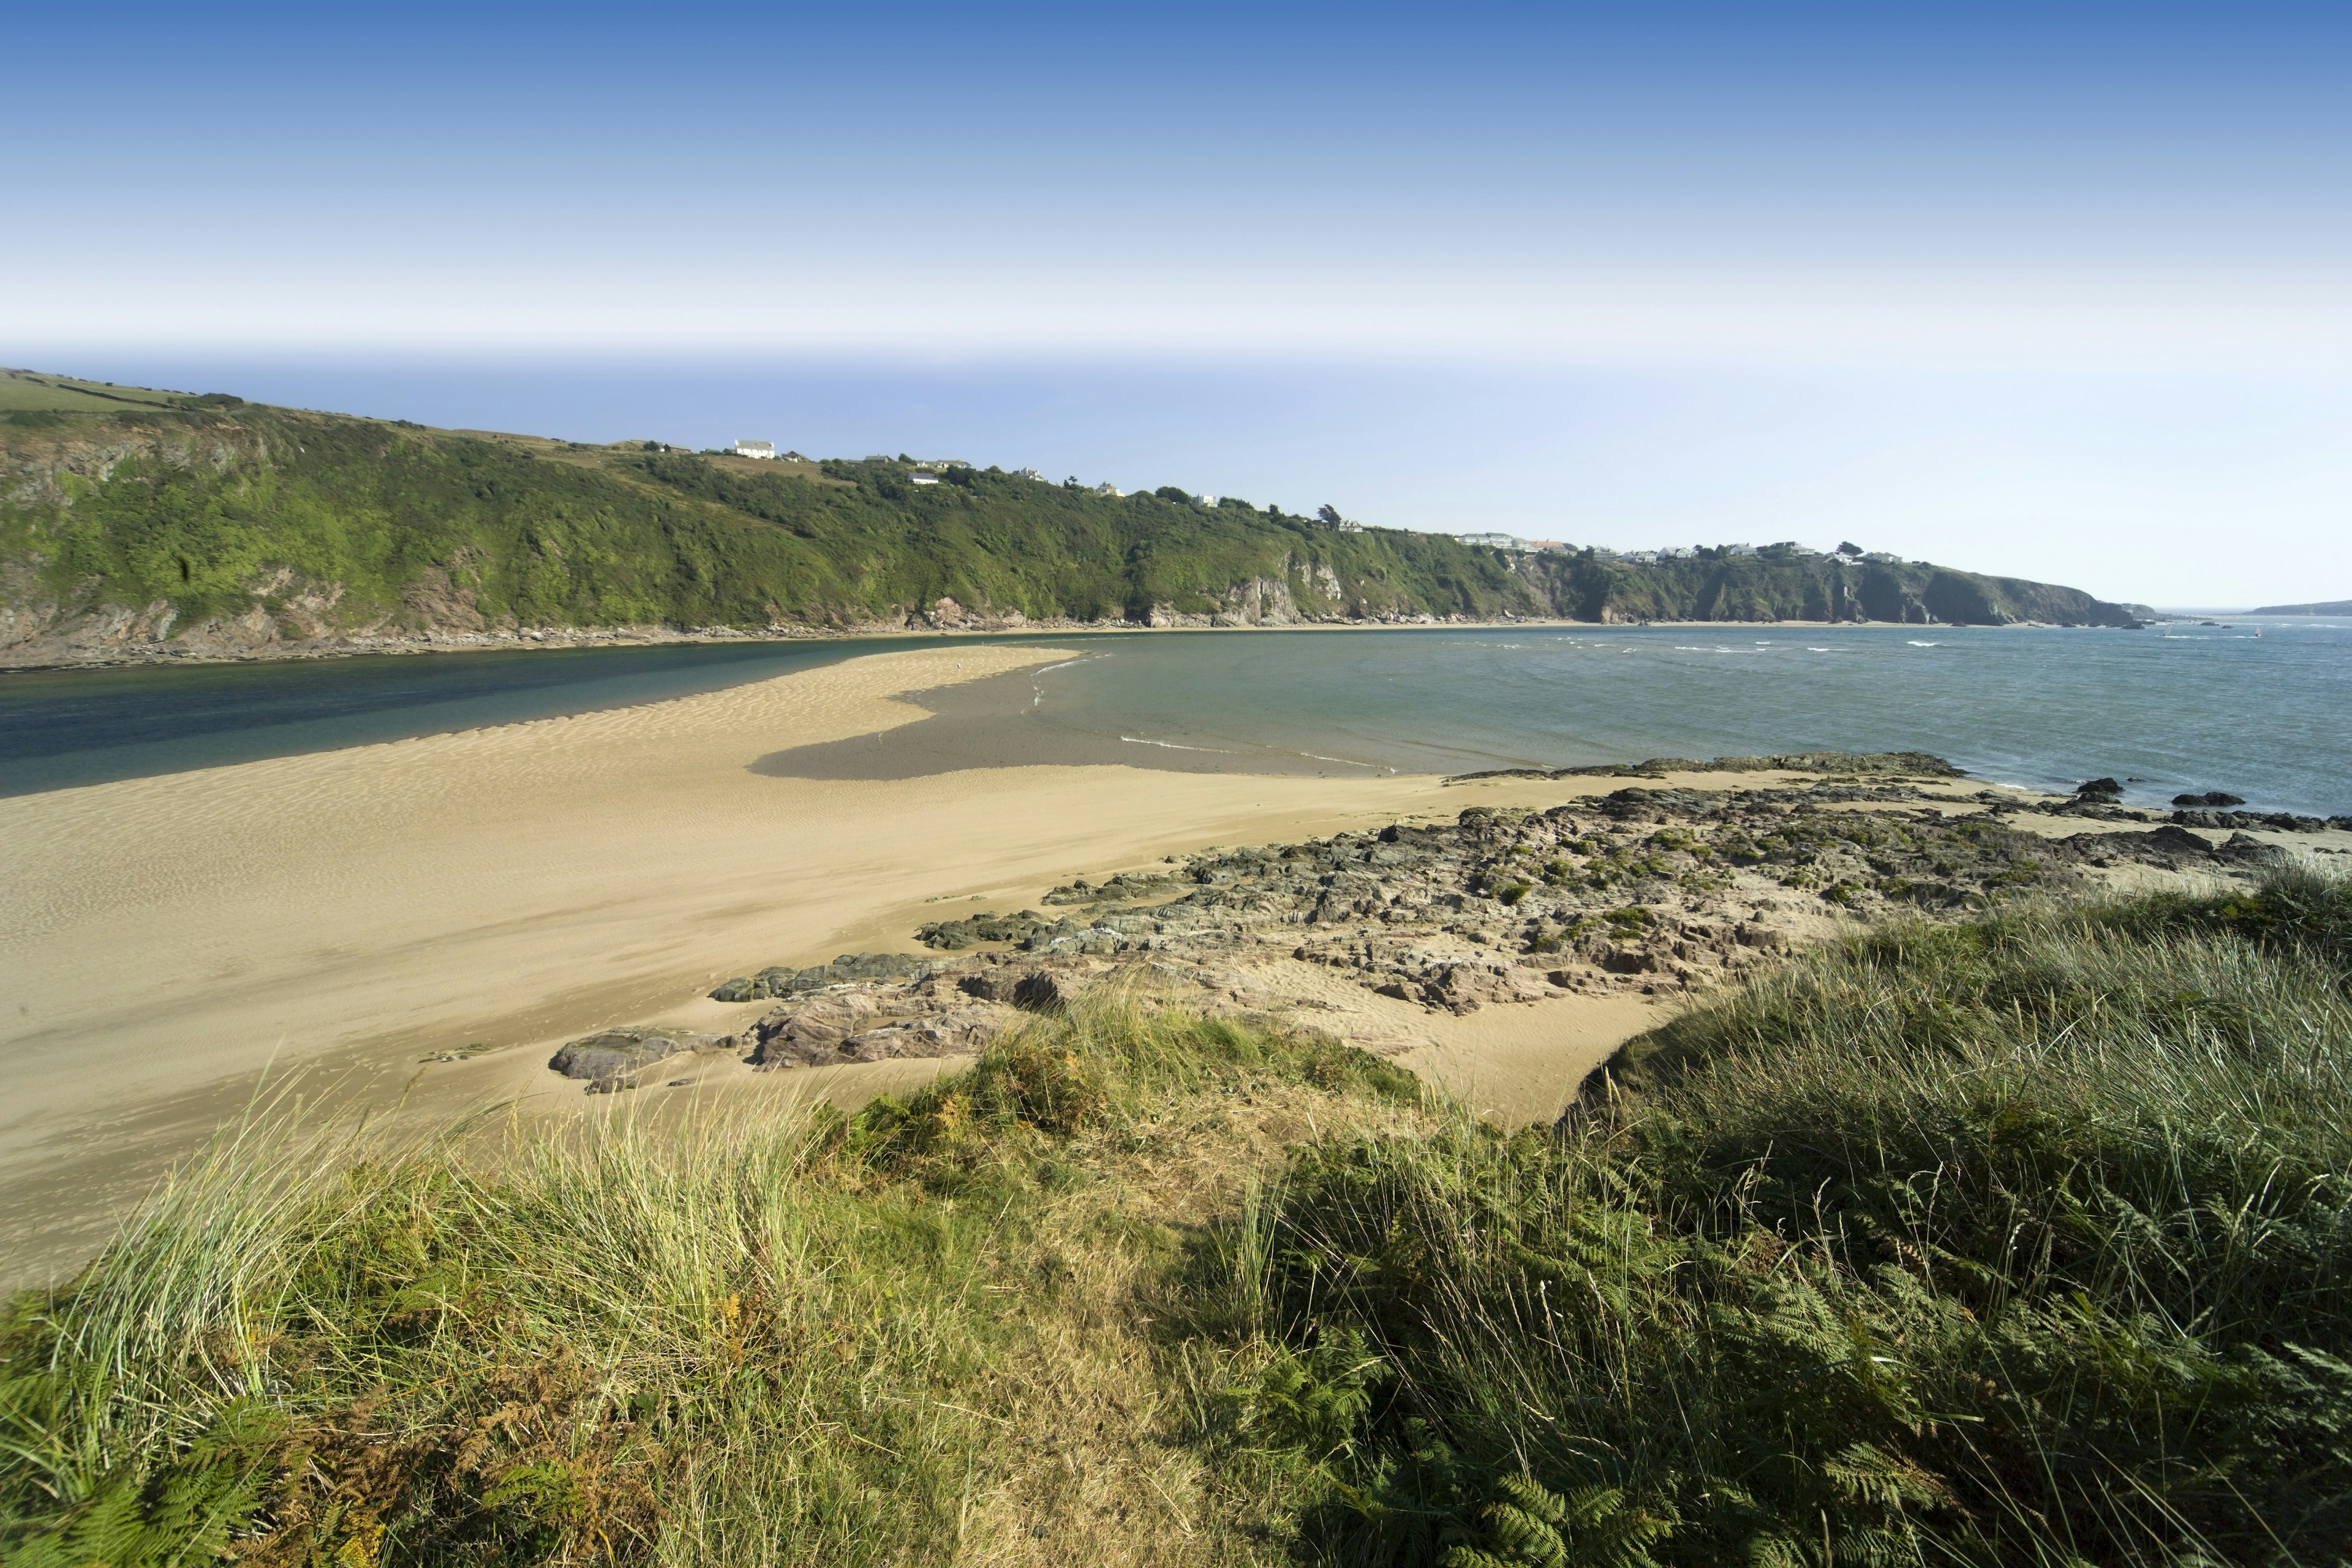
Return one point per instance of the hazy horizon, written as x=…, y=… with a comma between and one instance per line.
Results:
x=2060, y=293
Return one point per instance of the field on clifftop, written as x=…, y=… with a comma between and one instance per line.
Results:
x=2025, y=1239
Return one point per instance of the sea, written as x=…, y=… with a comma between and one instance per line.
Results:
x=2260, y=707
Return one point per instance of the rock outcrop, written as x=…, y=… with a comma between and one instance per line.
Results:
x=617, y=1059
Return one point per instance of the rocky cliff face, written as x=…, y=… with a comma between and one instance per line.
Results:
x=1803, y=587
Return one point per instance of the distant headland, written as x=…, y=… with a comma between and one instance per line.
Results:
x=141, y=525
x=2330, y=607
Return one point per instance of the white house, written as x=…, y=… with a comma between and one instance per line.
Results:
x=1494, y=540
x=1032, y=474
x=1108, y=488
x=922, y=477
x=749, y=448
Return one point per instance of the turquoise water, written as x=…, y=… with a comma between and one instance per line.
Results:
x=2268, y=717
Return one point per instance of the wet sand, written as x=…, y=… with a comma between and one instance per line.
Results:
x=170, y=942
x=1001, y=722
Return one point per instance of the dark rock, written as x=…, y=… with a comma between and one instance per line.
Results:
x=988, y=985
x=2175, y=841
x=2210, y=798
x=955, y=935
x=2099, y=808
x=776, y=981
x=2282, y=821
x=2106, y=790
x=614, y=1053
x=2167, y=847
x=1038, y=992
x=2246, y=851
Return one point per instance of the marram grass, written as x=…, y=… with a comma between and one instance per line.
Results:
x=775, y=1336
x=2019, y=1241
x=2028, y=1240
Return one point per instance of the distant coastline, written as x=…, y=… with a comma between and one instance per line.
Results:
x=138, y=525
x=2327, y=608
x=196, y=654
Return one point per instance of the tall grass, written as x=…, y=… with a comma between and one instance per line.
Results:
x=2021, y=1241
x=776, y=1336
x=2027, y=1240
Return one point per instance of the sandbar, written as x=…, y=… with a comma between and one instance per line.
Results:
x=170, y=943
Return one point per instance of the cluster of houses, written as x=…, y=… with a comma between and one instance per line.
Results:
x=1785, y=549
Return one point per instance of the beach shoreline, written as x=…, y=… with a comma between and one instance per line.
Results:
x=343, y=923
x=164, y=656
x=176, y=940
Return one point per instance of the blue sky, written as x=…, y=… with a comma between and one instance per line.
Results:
x=2064, y=291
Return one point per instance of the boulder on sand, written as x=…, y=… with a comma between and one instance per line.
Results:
x=613, y=1059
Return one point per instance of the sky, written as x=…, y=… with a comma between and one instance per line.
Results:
x=2058, y=290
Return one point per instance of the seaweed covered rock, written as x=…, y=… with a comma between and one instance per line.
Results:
x=778, y=981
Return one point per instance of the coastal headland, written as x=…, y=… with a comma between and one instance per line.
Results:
x=425, y=921
x=139, y=526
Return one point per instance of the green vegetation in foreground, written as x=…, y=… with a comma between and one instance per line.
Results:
x=2027, y=1240
x=765, y=1339
x=2019, y=1241
x=326, y=523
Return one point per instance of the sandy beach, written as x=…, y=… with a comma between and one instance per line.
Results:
x=169, y=940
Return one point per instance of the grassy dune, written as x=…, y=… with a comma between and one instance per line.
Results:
x=2021, y=1241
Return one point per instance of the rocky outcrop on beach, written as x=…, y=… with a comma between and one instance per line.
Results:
x=617, y=1059
x=1652, y=887
x=779, y=980
x=1638, y=887
x=2279, y=821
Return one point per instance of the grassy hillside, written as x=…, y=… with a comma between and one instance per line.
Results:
x=180, y=515
x=2025, y=1240
x=28, y=391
